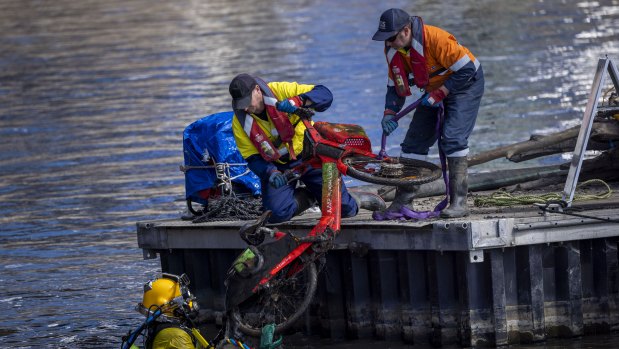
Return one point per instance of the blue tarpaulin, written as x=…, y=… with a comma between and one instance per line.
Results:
x=211, y=136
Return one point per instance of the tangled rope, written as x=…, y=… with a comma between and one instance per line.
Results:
x=503, y=198
x=231, y=208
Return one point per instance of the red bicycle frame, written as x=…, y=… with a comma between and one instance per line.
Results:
x=327, y=155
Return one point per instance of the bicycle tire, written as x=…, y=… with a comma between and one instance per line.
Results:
x=267, y=306
x=411, y=172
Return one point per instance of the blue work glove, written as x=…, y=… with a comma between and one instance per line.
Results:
x=433, y=99
x=277, y=179
x=388, y=123
x=285, y=106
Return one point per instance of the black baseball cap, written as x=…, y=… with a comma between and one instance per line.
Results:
x=240, y=89
x=391, y=22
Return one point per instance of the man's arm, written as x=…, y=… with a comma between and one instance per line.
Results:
x=393, y=102
x=260, y=167
x=453, y=56
x=319, y=98
x=460, y=76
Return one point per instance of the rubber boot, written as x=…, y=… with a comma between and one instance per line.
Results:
x=458, y=188
x=304, y=200
x=368, y=201
x=403, y=197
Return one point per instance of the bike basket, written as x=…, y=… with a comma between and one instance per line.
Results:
x=347, y=134
x=247, y=260
x=240, y=285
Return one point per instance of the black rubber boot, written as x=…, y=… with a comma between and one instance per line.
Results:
x=403, y=197
x=458, y=188
x=304, y=200
x=368, y=201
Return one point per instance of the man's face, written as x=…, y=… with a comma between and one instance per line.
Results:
x=401, y=39
x=257, y=103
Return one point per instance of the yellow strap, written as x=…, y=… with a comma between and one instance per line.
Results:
x=503, y=198
x=202, y=343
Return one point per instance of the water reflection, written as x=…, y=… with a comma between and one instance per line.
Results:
x=94, y=97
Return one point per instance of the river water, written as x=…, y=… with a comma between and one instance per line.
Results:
x=94, y=96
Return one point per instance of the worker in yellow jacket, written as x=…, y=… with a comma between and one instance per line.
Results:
x=269, y=135
x=427, y=62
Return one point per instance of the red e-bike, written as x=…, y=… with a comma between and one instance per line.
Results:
x=274, y=279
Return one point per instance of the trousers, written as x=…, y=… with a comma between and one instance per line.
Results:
x=281, y=200
x=461, y=108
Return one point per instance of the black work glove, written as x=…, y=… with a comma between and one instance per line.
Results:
x=304, y=113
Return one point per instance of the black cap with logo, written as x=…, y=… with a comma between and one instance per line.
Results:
x=391, y=22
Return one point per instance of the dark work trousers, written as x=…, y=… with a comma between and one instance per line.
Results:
x=461, y=109
x=281, y=200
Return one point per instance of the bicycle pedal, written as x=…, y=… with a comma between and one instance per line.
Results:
x=253, y=239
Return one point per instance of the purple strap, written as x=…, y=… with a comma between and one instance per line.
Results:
x=383, y=143
x=405, y=212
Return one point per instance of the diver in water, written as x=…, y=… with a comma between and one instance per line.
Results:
x=170, y=311
x=169, y=308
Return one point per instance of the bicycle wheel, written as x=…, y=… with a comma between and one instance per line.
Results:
x=399, y=172
x=282, y=303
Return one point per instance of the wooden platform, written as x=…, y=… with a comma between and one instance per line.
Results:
x=498, y=276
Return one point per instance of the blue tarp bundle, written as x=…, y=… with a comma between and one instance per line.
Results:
x=212, y=136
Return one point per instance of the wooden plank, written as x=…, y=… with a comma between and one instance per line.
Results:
x=601, y=131
x=333, y=307
x=612, y=283
x=414, y=297
x=386, y=302
x=498, y=297
x=574, y=287
x=358, y=296
x=536, y=291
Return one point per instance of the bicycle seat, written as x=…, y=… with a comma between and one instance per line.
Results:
x=249, y=231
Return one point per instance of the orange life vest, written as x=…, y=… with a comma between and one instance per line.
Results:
x=283, y=127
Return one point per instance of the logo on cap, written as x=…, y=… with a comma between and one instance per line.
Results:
x=382, y=25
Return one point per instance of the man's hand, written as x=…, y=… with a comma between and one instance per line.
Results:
x=432, y=99
x=389, y=125
x=286, y=106
x=289, y=106
x=277, y=179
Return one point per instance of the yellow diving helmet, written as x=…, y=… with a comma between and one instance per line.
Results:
x=171, y=295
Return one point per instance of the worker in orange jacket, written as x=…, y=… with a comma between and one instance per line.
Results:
x=427, y=62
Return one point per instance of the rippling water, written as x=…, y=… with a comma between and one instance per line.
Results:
x=94, y=96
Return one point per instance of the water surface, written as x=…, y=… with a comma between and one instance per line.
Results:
x=94, y=96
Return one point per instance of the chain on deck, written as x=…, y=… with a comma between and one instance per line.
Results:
x=230, y=208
